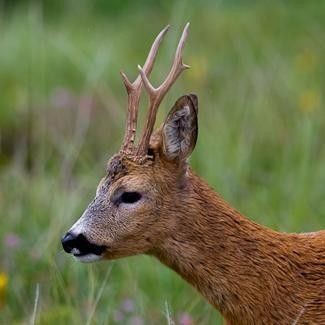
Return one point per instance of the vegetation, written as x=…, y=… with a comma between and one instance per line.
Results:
x=258, y=68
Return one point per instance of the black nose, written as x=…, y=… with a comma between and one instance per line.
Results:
x=81, y=245
x=68, y=242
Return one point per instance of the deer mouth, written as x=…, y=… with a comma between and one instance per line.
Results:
x=81, y=248
x=86, y=257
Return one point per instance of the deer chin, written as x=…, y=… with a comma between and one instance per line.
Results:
x=86, y=257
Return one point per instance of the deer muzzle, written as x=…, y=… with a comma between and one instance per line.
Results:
x=81, y=248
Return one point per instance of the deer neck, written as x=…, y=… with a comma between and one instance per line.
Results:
x=227, y=257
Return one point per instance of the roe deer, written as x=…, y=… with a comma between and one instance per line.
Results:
x=151, y=202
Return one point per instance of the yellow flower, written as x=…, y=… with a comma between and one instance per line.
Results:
x=3, y=281
x=309, y=100
x=3, y=286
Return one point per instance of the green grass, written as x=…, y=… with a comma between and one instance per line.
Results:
x=259, y=71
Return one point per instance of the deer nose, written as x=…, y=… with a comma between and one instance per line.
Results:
x=68, y=242
x=79, y=245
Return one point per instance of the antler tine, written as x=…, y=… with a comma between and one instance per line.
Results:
x=156, y=95
x=134, y=92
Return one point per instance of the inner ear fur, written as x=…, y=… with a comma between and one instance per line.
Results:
x=180, y=129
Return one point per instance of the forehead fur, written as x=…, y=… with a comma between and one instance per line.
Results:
x=121, y=165
x=153, y=168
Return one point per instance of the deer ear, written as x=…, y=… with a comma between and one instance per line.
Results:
x=179, y=132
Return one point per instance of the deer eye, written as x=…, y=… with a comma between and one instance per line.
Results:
x=130, y=197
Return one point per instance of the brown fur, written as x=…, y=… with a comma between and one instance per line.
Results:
x=251, y=274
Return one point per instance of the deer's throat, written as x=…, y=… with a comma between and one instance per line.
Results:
x=220, y=252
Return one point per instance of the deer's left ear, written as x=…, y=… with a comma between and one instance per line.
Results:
x=179, y=132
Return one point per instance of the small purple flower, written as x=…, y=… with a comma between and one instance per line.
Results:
x=62, y=98
x=185, y=319
x=118, y=316
x=127, y=305
x=86, y=102
x=11, y=240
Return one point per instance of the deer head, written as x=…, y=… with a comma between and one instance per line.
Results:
x=130, y=213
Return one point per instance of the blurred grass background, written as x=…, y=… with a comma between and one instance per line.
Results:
x=258, y=68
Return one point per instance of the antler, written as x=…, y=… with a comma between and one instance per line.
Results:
x=156, y=95
x=134, y=92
